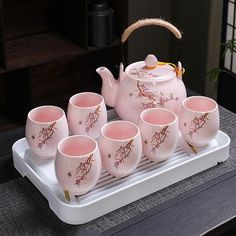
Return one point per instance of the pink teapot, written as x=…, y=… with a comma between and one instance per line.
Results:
x=144, y=84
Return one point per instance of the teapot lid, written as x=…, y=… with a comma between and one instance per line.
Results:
x=151, y=70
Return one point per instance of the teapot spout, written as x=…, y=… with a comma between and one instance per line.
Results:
x=109, y=86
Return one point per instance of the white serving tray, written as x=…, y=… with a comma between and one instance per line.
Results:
x=111, y=193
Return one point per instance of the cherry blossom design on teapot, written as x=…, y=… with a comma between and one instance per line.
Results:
x=144, y=84
x=150, y=98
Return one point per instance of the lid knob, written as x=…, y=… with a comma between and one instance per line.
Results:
x=151, y=61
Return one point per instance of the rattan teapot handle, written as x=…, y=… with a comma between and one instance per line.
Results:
x=147, y=22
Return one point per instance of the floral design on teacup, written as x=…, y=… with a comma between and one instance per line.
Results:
x=158, y=138
x=196, y=124
x=81, y=171
x=91, y=119
x=152, y=98
x=122, y=153
x=45, y=134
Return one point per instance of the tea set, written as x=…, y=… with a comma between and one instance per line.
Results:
x=150, y=99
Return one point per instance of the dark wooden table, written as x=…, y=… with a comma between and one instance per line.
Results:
x=195, y=212
x=24, y=211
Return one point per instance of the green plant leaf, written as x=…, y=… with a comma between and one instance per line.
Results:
x=228, y=45
x=214, y=74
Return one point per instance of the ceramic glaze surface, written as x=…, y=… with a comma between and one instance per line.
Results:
x=45, y=127
x=86, y=114
x=159, y=131
x=199, y=120
x=121, y=147
x=78, y=164
x=140, y=87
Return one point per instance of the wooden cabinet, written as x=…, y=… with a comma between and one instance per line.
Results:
x=44, y=53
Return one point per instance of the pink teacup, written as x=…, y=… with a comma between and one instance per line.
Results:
x=159, y=131
x=120, y=145
x=86, y=114
x=45, y=127
x=78, y=164
x=199, y=120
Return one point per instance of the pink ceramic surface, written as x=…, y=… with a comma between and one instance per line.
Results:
x=86, y=114
x=159, y=131
x=144, y=84
x=78, y=164
x=199, y=120
x=140, y=87
x=121, y=147
x=45, y=127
